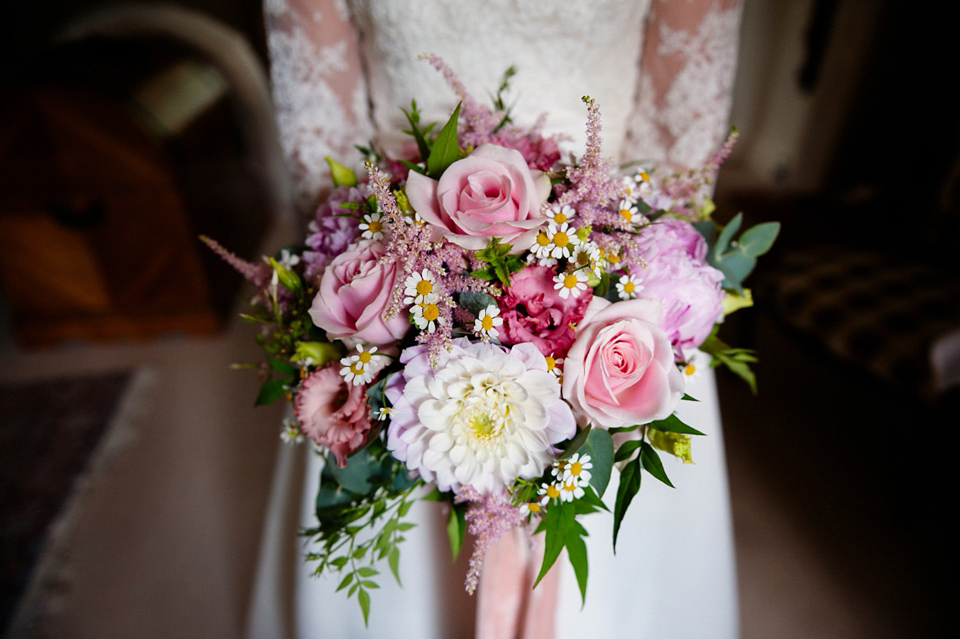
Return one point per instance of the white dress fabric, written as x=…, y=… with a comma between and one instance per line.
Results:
x=341, y=71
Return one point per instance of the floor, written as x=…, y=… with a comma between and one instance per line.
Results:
x=824, y=550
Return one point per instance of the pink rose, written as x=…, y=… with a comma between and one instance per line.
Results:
x=533, y=311
x=354, y=294
x=620, y=370
x=333, y=413
x=491, y=192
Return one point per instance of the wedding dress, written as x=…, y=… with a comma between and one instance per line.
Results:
x=661, y=73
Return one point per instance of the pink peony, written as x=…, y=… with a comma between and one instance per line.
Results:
x=678, y=275
x=620, y=370
x=533, y=311
x=354, y=294
x=333, y=413
x=491, y=192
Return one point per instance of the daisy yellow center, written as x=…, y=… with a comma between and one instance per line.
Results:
x=559, y=218
x=424, y=287
x=357, y=368
x=570, y=281
x=553, y=492
x=534, y=508
x=561, y=239
x=576, y=468
x=629, y=287
x=487, y=323
x=690, y=369
x=612, y=258
x=431, y=312
x=375, y=226
x=561, y=466
x=626, y=214
x=583, y=259
x=645, y=176
x=551, y=363
x=542, y=239
x=570, y=487
x=365, y=357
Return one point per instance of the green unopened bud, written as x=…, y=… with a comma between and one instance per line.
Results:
x=672, y=443
x=583, y=233
x=403, y=202
x=317, y=353
x=342, y=176
x=287, y=277
x=735, y=301
x=707, y=209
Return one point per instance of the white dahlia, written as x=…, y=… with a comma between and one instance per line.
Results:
x=483, y=417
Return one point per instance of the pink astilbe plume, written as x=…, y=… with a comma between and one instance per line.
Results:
x=258, y=274
x=488, y=516
x=690, y=188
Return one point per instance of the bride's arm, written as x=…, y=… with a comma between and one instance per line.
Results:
x=687, y=70
x=318, y=87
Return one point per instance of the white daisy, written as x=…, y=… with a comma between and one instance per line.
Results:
x=628, y=287
x=360, y=367
x=427, y=316
x=419, y=286
x=630, y=212
x=572, y=283
x=553, y=366
x=587, y=255
x=531, y=508
x=577, y=469
x=548, y=492
x=486, y=323
x=373, y=226
x=288, y=259
x=383, y=413
x=571, y=490
x=560, y=215
x=563, y=240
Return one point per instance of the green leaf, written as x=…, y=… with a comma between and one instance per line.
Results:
x=413, y=117
x=270, y=391
x=445, y=150
x=475, y=301
x=629, y=487
x=758, y=240
x=650, y=461
x=558, y=524
x=281, y=366
x=361, y=468
x=456, y=528
x=577, y=442
x=364, y=599
x=688, y=398
x=672, y=424
x=735, y=268
x=346, y=582
x=726, y=236
x=599, y=446
x=394, y=561
x=623, y=429
x=404, y=508
x=577, y=554
x=626, y=450
x=319, y=352
x=342, y=176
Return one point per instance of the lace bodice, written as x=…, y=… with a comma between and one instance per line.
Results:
x=661, y=70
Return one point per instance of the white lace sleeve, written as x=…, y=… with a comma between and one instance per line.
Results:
x=318, y=87
x=687, y=71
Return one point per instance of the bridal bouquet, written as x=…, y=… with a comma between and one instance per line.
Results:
x=496, y=321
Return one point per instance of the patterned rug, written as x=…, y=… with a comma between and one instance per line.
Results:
x=49, y=431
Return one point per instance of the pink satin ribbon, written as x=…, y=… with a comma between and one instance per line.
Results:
x=507, y=605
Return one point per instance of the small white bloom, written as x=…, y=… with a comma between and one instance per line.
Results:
x=418, y=287
x=587, y=255
x=291, y=433
x=360, y=367
x=373, y=226
x=427, y=316
x=630, y=212
x=383, y=413
x=486, y=323
x=560, y=215
x=288, y=259
x=628, y=287
x=531, y=508
x=577, y=470
x=571, y=490
x=630, y=185
x=572, y=283
x=553, y=366
x=542, y=246
x=548, y=492
x=563, y=240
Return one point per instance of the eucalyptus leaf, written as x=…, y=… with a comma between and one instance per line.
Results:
x=599, y=446
x=735, y=268
x=577, y=442
x=476, y=301
x=759, y=239
x=726, y=236
x=356, y=476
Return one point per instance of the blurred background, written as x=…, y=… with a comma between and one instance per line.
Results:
x=134, y=472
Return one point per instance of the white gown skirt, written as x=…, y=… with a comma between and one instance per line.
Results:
x=673, y=576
